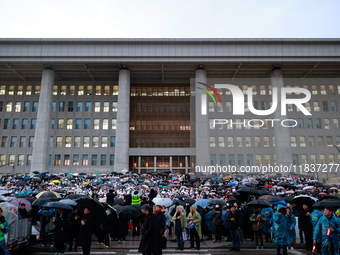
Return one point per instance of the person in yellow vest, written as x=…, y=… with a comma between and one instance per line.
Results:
x=4, y=228
x=136, y=197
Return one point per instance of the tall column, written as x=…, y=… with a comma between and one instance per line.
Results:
x=282, y=137
x=41, y=139
x=123, y=122
x=202, y=123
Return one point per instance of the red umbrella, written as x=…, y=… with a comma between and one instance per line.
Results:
x=268, y=186
x=322, y=194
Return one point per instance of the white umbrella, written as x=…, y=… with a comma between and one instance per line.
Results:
x=280, y=187
x=289, y=192
x=167, y=202
x=299, y=186
x=333, y=188
x=10, y=212
x=308, y=187
x=125, y=171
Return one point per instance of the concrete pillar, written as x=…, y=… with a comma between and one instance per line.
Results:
x=282, y=137
x=42, y=138
x=202, y=123
x=123, y=122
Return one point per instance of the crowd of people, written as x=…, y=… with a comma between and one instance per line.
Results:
x=166, y=206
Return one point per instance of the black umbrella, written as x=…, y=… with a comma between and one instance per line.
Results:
x=329, y=197
x=35, y=172
x=181, y=196
x=106, y=179
x=264, y=192
x=273, y=199
x=19, y=184
x=260, y=203
x=189, y=201
x=215, y=201
x=333, y=203
x=180, y=202
x=82, y=174
x=76, y=196
x=288, y=199
x=249, y=191
x=114, y=210
x=57, y=205
x=40, y=201
x=129, y=212
x=241, y=197
x=232, y=199
x=96, y=208
x=91, y=177
x=303, y=199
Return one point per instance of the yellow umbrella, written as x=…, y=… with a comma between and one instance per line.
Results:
x=86, y=183
x=56, y=181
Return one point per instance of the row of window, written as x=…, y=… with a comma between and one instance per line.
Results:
x=269, y=159
x=290, y=108
x=255, y=141
x=160, y=91
x=58, y=160
x=267, y=90
x=61, y=124
x=16, y=106
x=257, y=124
x=61, y=142
x=62, y=90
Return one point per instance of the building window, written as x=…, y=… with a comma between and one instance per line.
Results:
x=322, y=159
x=70, y=106
x=327, y=124
x=222, y=159
x=115, y=91
x=29, y=159
x=86, y=141
x=114, y=106
x=11, y=90
x=293, y=141
x=51, y=141
x=113, y=141
x=85, y=160
x=309, y=123
x=262, y=90
x=33, y=123
x=249, y=159
x=221, y=142
x=15, y=123
x=316, y=106
x=69, y=123
x=300, y=124
x=96, y=106
x=1, y=106
x=98, y=90
x=114, y=124
x=79, y=106
x=336, y=123
x=89, y=90
x=257, y=141
x=311, y=142
x=63, y=90
x=68, y=141
x=93, y=160
x=106, y=90
x=72, y=90
x=4, y=141
x=35, y=106
x=302, y=141
x=77, y=141
x=55, y=90
x=240, y=160
x=20, y=90
x=22, y=143
x=21, y=160
x=231, y=159
x=106, y=107
x=2, y=160
x=7, y=123
x=211, y=107
x=78, y=124
x=212, y=159
x=80, y=90
x=112, y=160
x=320, y=141
x=325, y=106
x=329, y=141
x=17, y=107
x=104, y=141
x=14, y=141
x=103, y=160
x=57, y=159
x=96, y=124
x=87, y=124
x=323, y=90
x=31, y=141
x=67, y=160
x=314, y=90
x=9, y=107
x=95, y=141
x=318, y=123
x=59, y=142
x=61, y=106
x=2, y=90
x=230, y=141
x=248, y=141
x=75, y=160
x=239, y=141
x=88, y=106
x=331, y=159
x=313, y=159
x=258, y=159
x=105, y=123
x=60, y=124
x=54, y=106
x=333, y=106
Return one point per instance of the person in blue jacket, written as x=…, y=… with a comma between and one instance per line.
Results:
x=209, y=223
x=282, y=227
x=268, y=215
x=327, y=229
x=292, y=224
x=225, y=214
x=4, y=228
x=314, y=218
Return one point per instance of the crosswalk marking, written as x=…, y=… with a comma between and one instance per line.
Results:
x=173, y=250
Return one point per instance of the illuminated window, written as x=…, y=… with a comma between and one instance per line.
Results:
x=86, y=141
x=60, y=124
x=266, y=141
x=95, y=141
x=96, y=124
x=106, y=107
x=85, y=160
x=105, y=123
x=72, y=90
x=89, y=90
x=21, y=160
x=323, y=90
x=221, y=142
x=212, y=141
x=313, y=159
x=115, y=90
x=104, y=141
x=314, y=90
x=331, y=89
x=302, y=141
x=80, y=90
x=331, y=159
x=262, y=90
x=66, y=160
x=257, y=141
x=9, y=107
x=113, y=124
x=20, y=90
x=211, y=107
x=55, y=90
x=69, y=124
x=258, y=159
x=322, y=159
x=327, y=124
x=336, y=123
x=77, y=141
x=316, y=106
x=329, y=141
x=59, y=141
x=98, y=90
x=63, y=90
x=11, y=90
x=230, y=141
x=17, y=107
x=75, y=160
x=97, y=106
x=68, y=141
x=293, y=141
x=114, y=106
x=28, y=90
x=2, y=90
x=106, y=90
x=248, y=141
x=267, y=159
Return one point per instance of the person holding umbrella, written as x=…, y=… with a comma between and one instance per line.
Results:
x=234, y=219
x=61, y=223
x=306, y=226
x=4, y=228
x=85, y=231
x=327, y=230
x=74, y=230
x=257, y=221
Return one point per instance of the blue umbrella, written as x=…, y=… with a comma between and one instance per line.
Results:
x=232, y=184
x=68, y=202
x=202, y=202
x=181, y=196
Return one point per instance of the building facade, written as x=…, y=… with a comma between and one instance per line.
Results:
x=103, y=105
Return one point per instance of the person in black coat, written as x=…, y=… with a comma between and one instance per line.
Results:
x=152, y=194
x=148, y=243
x=160, y=228
x=74, y=230
x=235, y=223
x=22, y=212
x=306, y=226
x=85, y=231
x=110, y=197
x=61, y=223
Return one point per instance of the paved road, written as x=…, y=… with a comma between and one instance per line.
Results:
x=169, y=251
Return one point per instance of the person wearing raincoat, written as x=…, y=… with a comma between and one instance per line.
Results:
x=292, y=224
x=4, y=228
x=195, y=232
x=268, y=215
x=180, y=224
x=209, y=224
x=282, y=227
x=327, y=230
x=314, y=218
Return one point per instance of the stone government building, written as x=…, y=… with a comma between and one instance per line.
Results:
x=103, y=105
